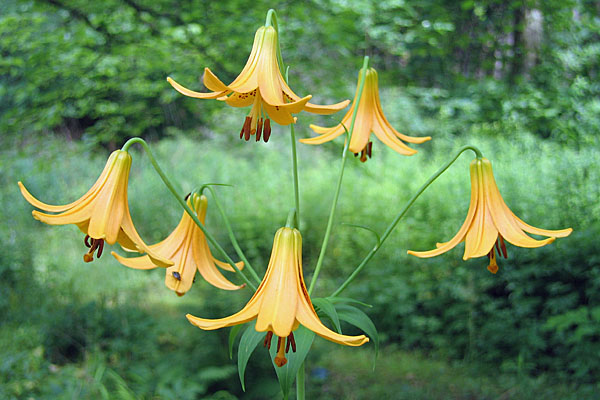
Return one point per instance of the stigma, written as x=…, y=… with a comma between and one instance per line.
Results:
x=280, y=359
x=93, y=245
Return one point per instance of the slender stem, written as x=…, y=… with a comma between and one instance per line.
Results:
x=232, y=238
x=295, y=173
x=183, y=204
x=363, y=73
x=291, y=219
x=391, y=227
x=300, y=383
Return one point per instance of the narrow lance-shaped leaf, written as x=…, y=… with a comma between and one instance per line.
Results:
x=358, y=318
x=287, y=374
x=248, y=342
x=326, y=308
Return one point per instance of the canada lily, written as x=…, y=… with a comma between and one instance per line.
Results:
x=102, y=213
x=281, y=302
x=261, y=85
x=369, y=118
x=490, y=221
x=187, y=248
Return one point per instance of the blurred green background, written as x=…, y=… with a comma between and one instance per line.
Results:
x=517, y=78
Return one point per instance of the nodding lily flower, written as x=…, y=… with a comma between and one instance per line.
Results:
x=369, y=118
x=260, y=85
x=281, y=302
x=187, y=248
x=102, y=213
x=489, y=222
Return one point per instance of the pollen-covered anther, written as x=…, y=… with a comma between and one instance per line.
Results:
x=93, y=244
x=245, y=132
x=267, y=341
x=259, y=128
x=267, y=130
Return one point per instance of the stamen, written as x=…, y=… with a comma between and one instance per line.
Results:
x=291, y=341
x=369, y=148
x=363, y=155
x=502, y=246
x=267, y=341
x=93, y=244
x=267, y=130
x=245, y=133
x=259, y=129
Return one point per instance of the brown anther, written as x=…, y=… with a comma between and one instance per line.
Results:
x=86, y=241
x=291, y=341
x=259, y=129
x=100, y=248
x=355, y=154
x=267, y=130
x=502, y=246
x=278, y=343
x=245, y=133
x=267, y=341
x=369, y=148
x=93, y=244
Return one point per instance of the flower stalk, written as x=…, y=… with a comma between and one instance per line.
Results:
x=401, y=214
x=339, y=182
x=187, y=209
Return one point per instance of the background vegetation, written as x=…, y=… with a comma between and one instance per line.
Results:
x=519, y=79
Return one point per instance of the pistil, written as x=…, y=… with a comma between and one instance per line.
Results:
x=93, y=244
x=283, y=347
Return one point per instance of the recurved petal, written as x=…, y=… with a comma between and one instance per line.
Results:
x=51, y=208
x=247, y=81
x=227, y=267
x=143, y=262
x=326, y=110
x=212, y=82
x=307, y=317
x=246, y=314
x=203, y=260
x=197, y=95
x=462, y=232
x=327, y=134
x=502, y=216
x=239, y=99
x=390, y=140
x=129, y=235
x=559, y=233
x=281, y=114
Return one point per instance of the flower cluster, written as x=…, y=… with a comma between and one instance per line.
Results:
x=281, y=302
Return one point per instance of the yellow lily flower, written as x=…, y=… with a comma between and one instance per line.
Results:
x=490, y=221
x=261, y=85
x=187, y=247
x=102, y=213
x=281, y=302
x=369, y=118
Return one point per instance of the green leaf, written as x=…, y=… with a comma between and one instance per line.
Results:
x=232, y=335
x=327, y=308
x=358, y=318
x=248, y=342
x=287, y=374
x=338, y=300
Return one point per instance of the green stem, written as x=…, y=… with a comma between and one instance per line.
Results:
x=232, y=238
x=295, y=171
x=183, y=204
x=291, y=219
x=300, y=383
x=361, y=86
x=391, y=227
